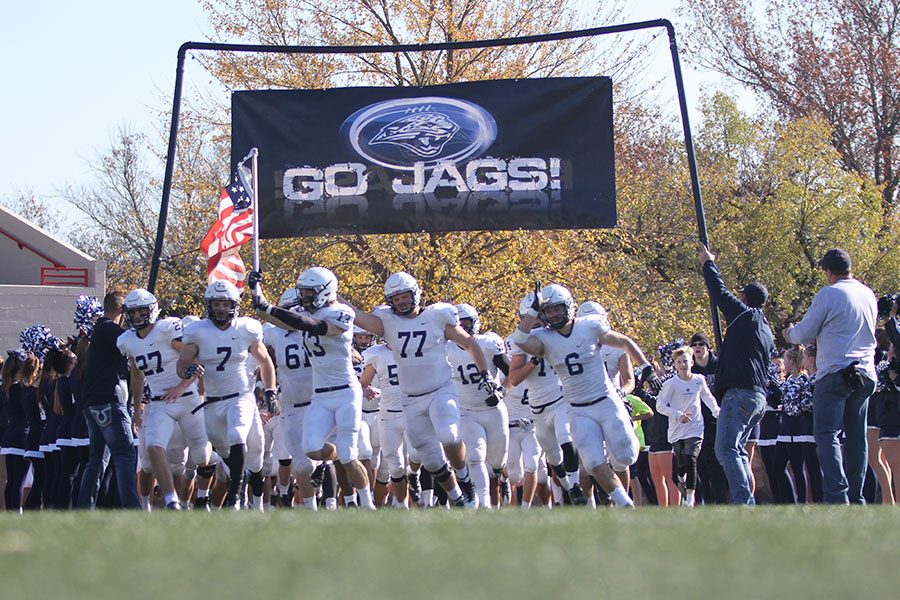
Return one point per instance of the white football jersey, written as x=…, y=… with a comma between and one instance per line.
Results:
x=386, y=379
x=516, y=397
x=611, y=358
x=577, y=359
x=419, y=345
x=466, y=374
x=154, y=355
x=223, y=354
x=543, y=383
x=294, y=370
x=330, y=355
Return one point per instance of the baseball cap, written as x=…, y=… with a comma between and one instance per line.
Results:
x=755, y=294
x=836, y=261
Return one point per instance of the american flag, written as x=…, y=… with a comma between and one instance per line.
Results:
x=232, y=229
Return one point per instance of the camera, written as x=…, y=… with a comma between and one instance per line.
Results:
x=886, y=304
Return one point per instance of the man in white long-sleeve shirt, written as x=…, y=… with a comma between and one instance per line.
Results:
x=841, y=320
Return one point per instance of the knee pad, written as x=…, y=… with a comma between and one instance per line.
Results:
x=206, y=471
x=400, y=479
x=570, y=456
x=255, y=480
x=442, y=474
x=284, y=462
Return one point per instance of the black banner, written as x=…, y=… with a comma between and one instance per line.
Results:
x=487, y=155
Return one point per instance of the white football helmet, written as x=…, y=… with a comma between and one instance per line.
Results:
x=221, y=290
x=188, y=319
x=289, y=299
x=525, y=304
x=322, y=282
x=590, y=308
x=555, y=295
x=140, y=298
x=397, y=284
x=467, y=311
x=362, y=338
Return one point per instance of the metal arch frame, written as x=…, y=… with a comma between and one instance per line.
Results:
x=387, y=49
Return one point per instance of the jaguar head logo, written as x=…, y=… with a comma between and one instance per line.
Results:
x=423, y=134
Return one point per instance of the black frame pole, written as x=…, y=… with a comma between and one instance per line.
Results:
x=170, y=168
x=692, y=167
x=387, y=49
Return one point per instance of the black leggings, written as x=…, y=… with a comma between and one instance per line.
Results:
x=792, y=452
x=813, y=470
x=778, y=480
x=687, y=468
x=68, y=465
x=16, y=469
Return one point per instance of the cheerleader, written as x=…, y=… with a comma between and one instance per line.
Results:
x=805, y=436
x=4, y=425
x=32, y=401
x=63, y=364
x=19, y=371
x=789, y=449
x=887, y=417
x=80, y=440
x=769, y=426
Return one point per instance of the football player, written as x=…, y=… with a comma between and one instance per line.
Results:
x=418, y=337
x=369, y=444
x=152, y=346
x=337, y=395
x=217, y=348
x=549, y=413
x=295, y=378
x=484, y=421
x=600, y=423
x=524, y=452
x=621, y=374
x=381, y=370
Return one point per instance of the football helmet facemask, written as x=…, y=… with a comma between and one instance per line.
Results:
x=362, y=339
x=141, y=309
x=317, y=287
x=224, y=291
x=397, y=284
x=556, y=295
x=468, y=318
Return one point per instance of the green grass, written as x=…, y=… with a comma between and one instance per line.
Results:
x=790, y=552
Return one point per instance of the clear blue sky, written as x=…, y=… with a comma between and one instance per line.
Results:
x=77, y=71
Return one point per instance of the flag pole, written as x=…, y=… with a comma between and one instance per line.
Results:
x=254, y=153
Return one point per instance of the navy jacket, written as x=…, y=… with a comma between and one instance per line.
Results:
x=748, y=343
x=105, y=365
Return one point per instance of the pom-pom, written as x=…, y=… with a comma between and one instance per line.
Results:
x=665, y=357
x=87, y=310
x=38, y=340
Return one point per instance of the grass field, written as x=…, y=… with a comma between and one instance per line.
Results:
x=790, y=552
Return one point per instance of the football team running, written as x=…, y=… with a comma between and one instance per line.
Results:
x=320, y=403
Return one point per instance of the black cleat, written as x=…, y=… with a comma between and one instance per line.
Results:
x=566, y=497
x=317, y=476
x=577, y=496
x=415, y=487
x=505, y=492
x=286, y=501
x=468, y=493
x=202, y=504
x=173, y=505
